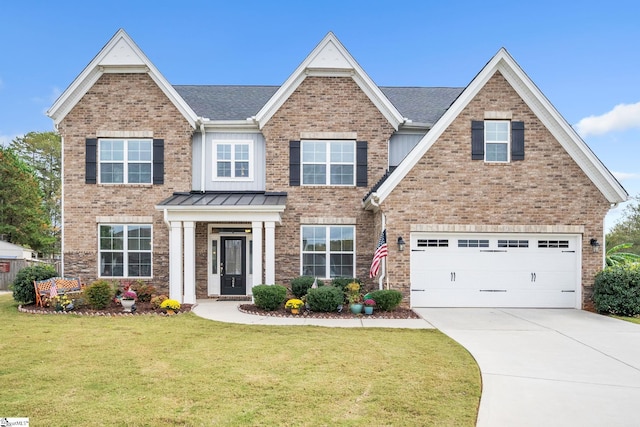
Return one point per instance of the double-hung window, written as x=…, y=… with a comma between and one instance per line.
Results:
x=125, y=161
x=233, y=160
x=328, y=251
x=328, y=162
x=125, y=250
x=496, y=141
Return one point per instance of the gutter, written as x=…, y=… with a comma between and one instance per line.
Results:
x=202, y=157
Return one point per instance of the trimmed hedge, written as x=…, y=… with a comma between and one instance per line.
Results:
x=325, y=299
x=269, y=297
x=22, y=286
x=617, y=290
x=386, y=299
x=301, y=285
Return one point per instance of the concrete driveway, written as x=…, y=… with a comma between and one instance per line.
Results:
x=549, y=367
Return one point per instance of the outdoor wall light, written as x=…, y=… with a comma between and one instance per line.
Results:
x=401, y=244
x=595, y=245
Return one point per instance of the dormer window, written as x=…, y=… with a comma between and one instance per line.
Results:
x=233, y=160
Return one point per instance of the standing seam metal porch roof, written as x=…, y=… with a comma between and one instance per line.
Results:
x=224, y=199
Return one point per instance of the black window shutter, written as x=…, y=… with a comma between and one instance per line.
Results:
x=90, y=160
x=477, y=140
x=294, y=163
x=517, y=141
x=361, y=163
x=158, y=161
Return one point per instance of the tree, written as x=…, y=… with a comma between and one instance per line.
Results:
x=615, y=257
x=627, y=230
x=22, y=216
x=42, y=152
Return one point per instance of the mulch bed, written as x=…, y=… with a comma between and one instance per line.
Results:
x=114, y=309
x=398, y=313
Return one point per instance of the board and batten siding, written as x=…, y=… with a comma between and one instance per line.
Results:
x=258, y=181
x=400, y=144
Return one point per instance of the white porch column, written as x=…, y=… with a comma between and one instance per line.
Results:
x=270, y=252
x=189, y=262
x=175, y=261
x=256, y=231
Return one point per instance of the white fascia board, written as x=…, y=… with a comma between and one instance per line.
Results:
x=222, y=214
x=571, y=142
x=329, y=58
x=120, y=54
x=248, y=125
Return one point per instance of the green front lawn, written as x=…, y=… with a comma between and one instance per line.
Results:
x=187, y=371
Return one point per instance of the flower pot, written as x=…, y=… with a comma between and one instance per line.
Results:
x=127, y=304
x=356, y=308
x=368, y=309
x=295, y=311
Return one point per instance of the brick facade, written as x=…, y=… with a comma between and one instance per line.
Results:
x=321, y=104
x=447, y=187
x=120, y=103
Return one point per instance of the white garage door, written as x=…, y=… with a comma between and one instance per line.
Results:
x=494, y=270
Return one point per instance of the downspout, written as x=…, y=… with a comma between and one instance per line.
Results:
x=374, y=201
x=202, y=156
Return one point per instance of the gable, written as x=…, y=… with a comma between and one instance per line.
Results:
x=119, y=55
x=330, y=59
x=505, y=66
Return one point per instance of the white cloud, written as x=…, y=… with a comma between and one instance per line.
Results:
x=622, y=176
x=622, y=117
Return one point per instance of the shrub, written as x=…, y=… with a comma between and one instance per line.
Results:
x=325, y=299
x=269, y=297
x=99, y=294
x=144, y=290
x=342, y=282
x=23, y=290
x=386, y=299
x=617, y=290
x=301, y=285
x=157, y=301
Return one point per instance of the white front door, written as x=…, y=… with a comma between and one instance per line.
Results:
x=494, y=270
x=236, y=276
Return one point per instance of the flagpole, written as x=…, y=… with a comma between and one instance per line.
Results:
x=384, y=260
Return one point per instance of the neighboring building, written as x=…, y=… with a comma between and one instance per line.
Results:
x=210, y=190
x=11, y=251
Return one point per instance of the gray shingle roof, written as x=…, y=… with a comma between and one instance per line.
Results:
x=420, y=104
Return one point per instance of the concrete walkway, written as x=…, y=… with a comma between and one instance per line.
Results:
x=540, y=367
x=227, y=311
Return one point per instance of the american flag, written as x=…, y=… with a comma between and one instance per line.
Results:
x=380, y=253
x=53, y=292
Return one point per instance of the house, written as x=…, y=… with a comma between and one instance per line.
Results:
x=11, y=251
x=210, y=190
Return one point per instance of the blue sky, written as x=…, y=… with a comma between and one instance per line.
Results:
x=583, y=56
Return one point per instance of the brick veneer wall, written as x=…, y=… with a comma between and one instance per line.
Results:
x=324, y=104
x=120, y=103
x=447, y=187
